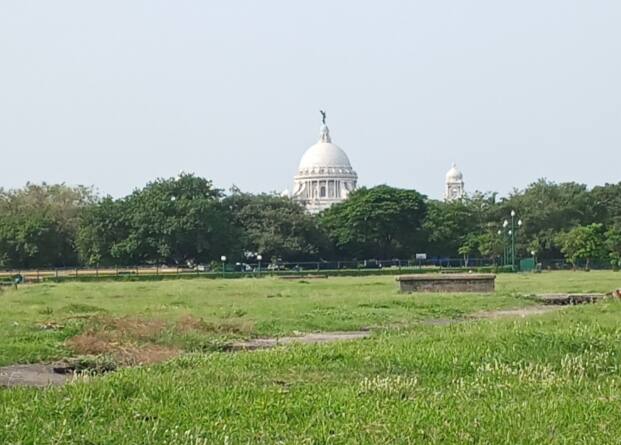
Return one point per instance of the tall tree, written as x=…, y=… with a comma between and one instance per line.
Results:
x=378, y=222
x=449, y=224
x=547, y=209
x=38, y=224
x=584, y=243
x=176, y=220
x=276, y=227
x=613, y=246
x=606, y=203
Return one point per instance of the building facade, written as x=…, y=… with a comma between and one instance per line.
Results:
x=325, y=175
x=454, y=184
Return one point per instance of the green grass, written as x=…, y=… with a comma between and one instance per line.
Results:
x=554, y=378
x=259, y=307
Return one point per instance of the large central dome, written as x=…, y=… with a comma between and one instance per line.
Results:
x=324, y=154
x=325, y=176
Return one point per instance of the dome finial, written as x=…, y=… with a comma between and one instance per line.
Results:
x=325, y=131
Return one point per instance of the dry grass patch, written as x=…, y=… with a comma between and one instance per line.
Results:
x=133, y=340
x=128, y=340
x=134, y=328
x=189, y=323
x=124, y=354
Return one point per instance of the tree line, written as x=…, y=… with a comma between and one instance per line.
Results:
x=186, y=220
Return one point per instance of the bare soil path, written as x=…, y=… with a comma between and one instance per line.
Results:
x=36, y=375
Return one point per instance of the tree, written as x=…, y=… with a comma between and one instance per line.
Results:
x=275, y=227
x=613, y=246
x=378, y=222
x=469, y=246
x=547, y=209
x=490, y=245
x=584, y=243
x=38, y=224
x=606, y=204
x=103, y=234
x=448, y=224
x=176, y=220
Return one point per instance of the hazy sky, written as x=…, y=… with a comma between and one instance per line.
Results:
x=115, y=93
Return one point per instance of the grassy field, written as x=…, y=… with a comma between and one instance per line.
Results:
x=553, y=378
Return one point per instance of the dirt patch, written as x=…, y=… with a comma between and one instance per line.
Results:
x=31, y=375
x=569, y=299
x=521, y=312
x=492, y=315
x=313, y=338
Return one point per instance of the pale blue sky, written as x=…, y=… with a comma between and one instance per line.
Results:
x=115, y=93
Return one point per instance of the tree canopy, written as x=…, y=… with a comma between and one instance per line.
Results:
x=177, y=220
x=275, y=227
x=186, y=220
x=377, y=222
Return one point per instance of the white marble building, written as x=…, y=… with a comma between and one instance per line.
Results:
x=454, y=184
x=325, y=175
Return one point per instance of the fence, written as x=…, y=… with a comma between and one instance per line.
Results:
x=275, y=268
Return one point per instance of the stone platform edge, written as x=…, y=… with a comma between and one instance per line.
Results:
x=443, y=277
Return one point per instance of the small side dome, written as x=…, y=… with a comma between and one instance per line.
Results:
x=454, y=175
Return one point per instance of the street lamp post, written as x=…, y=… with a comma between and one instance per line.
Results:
x=223, y=259
x=259, y=258
x=512, y=232
x=503, y=240
x=513, y=240
x=505, y=224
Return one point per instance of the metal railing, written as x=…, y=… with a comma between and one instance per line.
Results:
x=274, y=268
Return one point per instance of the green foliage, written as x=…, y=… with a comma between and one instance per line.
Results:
x=275, y=227
x=38, y=224
x=379, y=222
x=583, y=243
x=187, y=220
x=547, y=209
x=173, y=221
x=606, y=204
x=613, y=246
x=468, y=247
x=449, y=224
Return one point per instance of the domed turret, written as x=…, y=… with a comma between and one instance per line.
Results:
x=325, y=175
x=454, y=184
x=454, y=174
